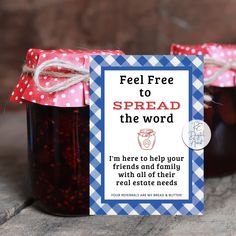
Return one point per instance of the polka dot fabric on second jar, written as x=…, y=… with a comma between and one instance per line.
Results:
x=74, y=96
x=222, y=52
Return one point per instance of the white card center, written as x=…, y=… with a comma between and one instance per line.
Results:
x=144, y=155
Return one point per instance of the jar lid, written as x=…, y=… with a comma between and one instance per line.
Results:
x=146, y=132
x=221, y=55
x=76, y=95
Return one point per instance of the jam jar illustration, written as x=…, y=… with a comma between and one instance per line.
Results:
x=58, y=127
x=146, y=139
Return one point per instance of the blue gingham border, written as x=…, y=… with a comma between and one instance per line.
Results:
x=96, y=205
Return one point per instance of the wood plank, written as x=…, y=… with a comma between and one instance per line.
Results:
x=13, y=168
x=219, y=219
x=33, y=222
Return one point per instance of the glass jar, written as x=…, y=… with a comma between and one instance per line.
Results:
x=220, y=115
x=58, y=126
x=58, y=150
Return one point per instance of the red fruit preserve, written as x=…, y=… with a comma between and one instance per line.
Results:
x=59, y=158
x=220, y=154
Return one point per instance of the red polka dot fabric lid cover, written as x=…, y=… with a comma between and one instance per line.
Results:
x=222, y=52
x=74, y=96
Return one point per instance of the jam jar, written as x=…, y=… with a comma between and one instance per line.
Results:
x=146, y=139
x=220, y=104
x=58, y=127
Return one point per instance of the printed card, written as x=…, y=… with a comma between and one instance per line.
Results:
x=146, y=139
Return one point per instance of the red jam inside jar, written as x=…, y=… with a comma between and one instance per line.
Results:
x=59, y=158
x=220, y=115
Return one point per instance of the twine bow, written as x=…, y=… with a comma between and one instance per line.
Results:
x=79, y=74
x=223, y=67
x=76, y=75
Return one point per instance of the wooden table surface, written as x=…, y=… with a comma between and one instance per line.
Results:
x=20, y=216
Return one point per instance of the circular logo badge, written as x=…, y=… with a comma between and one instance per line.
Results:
x=196, y=134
